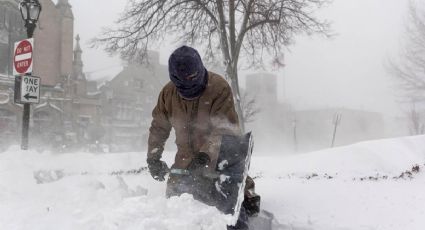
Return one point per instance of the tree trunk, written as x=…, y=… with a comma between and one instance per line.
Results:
x=232, y=73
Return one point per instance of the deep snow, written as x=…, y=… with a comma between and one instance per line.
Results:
x=353, y=187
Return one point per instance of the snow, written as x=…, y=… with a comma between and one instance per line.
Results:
x=45, y=104
x=222, y=164
x=349, y=188
x=338, y=198
x=87, y=196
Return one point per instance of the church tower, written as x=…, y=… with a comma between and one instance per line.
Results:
x=66, y=36
x=78, y=76
x=77, y=64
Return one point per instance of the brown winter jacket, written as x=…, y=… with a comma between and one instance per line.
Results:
x=198, y=123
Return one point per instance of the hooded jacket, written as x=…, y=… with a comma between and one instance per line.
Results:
x=198, y=123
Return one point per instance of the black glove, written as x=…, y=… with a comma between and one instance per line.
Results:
x=199, y=164
x=201, y=160
x=158, y=169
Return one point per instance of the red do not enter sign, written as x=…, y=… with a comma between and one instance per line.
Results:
x=22, y=60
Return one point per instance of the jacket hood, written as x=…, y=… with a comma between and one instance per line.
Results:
x=187, y=72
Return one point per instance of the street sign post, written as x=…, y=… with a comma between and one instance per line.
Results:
x=30, y=89
x=22, y=64
x=27, y=87
x=22, y=59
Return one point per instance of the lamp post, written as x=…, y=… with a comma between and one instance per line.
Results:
x=30, y=12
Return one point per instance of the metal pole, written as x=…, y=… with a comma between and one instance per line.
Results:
x=336, y=121
x=30, y=29
x=26, y=113
x=25, y=126
x=294, y=124
x=334, y=135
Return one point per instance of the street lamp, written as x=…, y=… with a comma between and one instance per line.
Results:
x=30, y=12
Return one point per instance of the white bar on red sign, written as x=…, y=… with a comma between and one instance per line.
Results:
x=23, y=57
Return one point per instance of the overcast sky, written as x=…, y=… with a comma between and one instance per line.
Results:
x=346, y=71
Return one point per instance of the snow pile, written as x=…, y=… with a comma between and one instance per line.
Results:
x=78, y=191
x=349, y=188
x=389, y=156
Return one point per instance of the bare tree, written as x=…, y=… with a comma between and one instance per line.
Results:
x=417, y=127
x=249, y=107
x=409, y=69
x=225, y=29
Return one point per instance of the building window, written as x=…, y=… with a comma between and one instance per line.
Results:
x=84, y=121
x=124, y=111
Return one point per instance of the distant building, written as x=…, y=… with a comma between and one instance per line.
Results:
x=278, y=127
x=128, y=100
x=11, y=30
x=52, y=61
x=73, y=112
x=53, y=42
x=82, y=104
x=67, y=110
x=268, y=125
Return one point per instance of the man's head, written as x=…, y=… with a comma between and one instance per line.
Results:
x=187, y=72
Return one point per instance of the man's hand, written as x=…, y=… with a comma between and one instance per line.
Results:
x=199, y=164
x=158, y=169
x=201, y=160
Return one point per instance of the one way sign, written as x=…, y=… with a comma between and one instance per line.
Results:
x=30, y=89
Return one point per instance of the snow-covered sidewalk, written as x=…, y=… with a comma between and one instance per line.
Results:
x=355, y=187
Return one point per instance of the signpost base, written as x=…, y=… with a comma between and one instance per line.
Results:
x=25, y=126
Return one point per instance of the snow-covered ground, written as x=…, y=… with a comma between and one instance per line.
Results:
x=363, y=186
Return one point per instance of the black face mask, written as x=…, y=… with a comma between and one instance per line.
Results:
x=191, y=87
x=187, y=72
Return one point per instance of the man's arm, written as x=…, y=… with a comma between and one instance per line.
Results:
x=224, y=121
x=159, y=130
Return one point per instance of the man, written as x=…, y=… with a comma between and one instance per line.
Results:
x=199, y=105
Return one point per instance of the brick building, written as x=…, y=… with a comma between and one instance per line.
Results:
x=68, y=110
x=11, y=30
x=127, y=103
